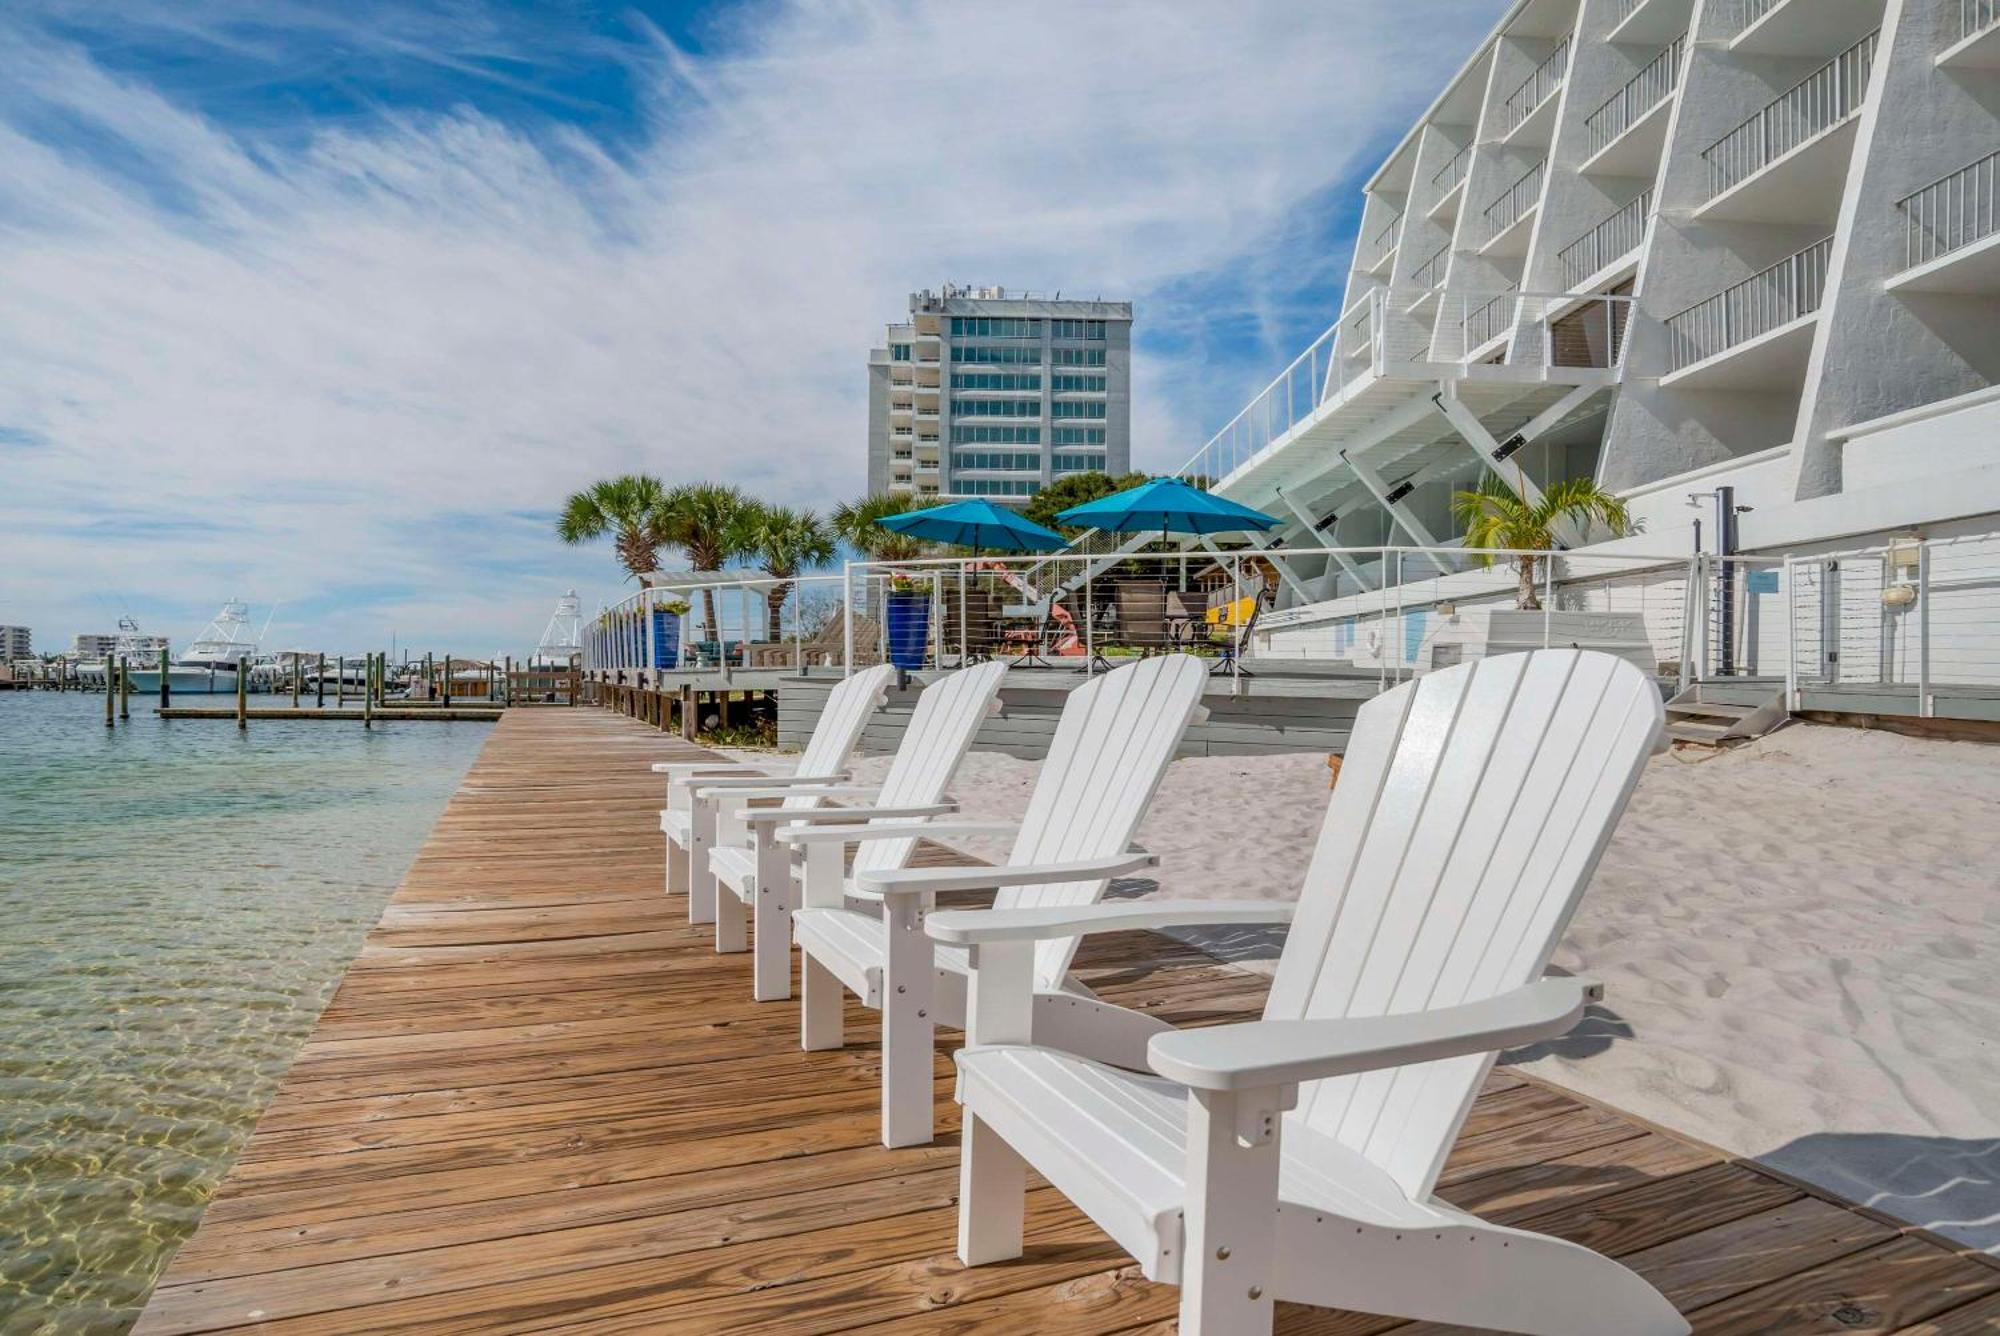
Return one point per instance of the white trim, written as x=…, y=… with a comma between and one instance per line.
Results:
x=1707, y=471
x=1921, y=413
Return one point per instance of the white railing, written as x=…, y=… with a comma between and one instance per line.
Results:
x=1952, y=213
x=1816, y=104
x=1789, y=289
x=1536, y=89
x=1620, y=234
x=633, y=641
x=1749, y=11
x=1380, y=244
x=1449, y=175
x=1515, y=202
x=1642, y=92
x=1430, y=273
x=1622, y=10
x=1976, y=16
x=1393, y=327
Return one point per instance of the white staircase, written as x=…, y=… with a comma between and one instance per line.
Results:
x=1719, y=714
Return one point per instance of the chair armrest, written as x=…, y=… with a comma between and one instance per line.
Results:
x=712, y=787
x=772, y=816
x=681, y=769
x=710, y=793
x=1261, y=1054
x=974, y=927
x=800, y=834
x=931, y=880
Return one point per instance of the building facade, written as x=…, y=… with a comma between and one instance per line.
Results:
x=985, y=394
x=16, y=642
x=1677, y=246
x=89, y=646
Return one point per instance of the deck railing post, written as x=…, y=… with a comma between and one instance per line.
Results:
x=847, y=619
x=1089, y=616
x=1791, y=636
x=1925, y=706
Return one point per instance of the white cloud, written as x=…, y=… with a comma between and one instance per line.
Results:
x=306, y=368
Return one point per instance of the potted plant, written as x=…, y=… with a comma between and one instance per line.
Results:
x=667, y=633
x=909, y=621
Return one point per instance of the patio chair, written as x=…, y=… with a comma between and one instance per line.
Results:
x=688, y=819
x=1296, y=1157
x=747, y=861
x=1111, y=746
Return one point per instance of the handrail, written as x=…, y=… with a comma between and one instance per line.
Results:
x=1620, y=234
x=1642, y=92
x=1431, y=272
x=1773, y=297
x=1514, y=201
x=1976, y=16
x=1482, y=326
x=1455, y=169
x=1811, y=107
x=1952, y=212
x=1748, y=12
x=1537, y=88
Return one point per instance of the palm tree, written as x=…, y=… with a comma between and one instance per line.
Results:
x=710, y=522
x=785, y=542
x=630, y=509
x=859, y=522
x=1495, y=517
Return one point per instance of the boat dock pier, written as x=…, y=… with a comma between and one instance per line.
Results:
x=541, y=1100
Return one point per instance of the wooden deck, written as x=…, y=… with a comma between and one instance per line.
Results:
x=541, y=1102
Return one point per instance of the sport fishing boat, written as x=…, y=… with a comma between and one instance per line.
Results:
x=209, y=664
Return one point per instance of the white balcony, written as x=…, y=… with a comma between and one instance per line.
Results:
x=1808, y=27
x=1753, y=335
x=1628, y=131
x=1650, y=22
x=1378, y=256
x=1976, y=45
x=1952, y=233
x=1608, y=245
x=1528, y=114
x=1445, y=212
x=1788, y=163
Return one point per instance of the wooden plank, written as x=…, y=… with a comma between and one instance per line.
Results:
x=1882, y=1290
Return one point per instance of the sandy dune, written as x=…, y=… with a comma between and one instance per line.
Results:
x=1800, y=942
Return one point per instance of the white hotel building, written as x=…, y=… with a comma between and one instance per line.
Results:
x=1680, y=246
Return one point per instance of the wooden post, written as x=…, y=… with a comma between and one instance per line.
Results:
x=166, y=691
x=368, y=691
x=320, y=699
x=575, y=682
x=508, y=673
x=298, y=674
x=110, y=689
x=124, y=691
x=688, y=708
x=243, y=693
x=447, y=681
x=430, y=680
x=340, y=682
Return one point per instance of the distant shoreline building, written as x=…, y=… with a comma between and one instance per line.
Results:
x=982, y=393
x=16, y=642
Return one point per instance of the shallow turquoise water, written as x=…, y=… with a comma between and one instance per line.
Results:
x=177, y=902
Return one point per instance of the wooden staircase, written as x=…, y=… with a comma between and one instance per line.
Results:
x=1720, y=714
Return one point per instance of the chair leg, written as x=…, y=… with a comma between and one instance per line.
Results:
x=822, y=1012
x=675, y=858
x=1232, y=1211
x=772, y=967
x=992, y=1195
x=907, y=985
x=732, y=920
x=700, y=879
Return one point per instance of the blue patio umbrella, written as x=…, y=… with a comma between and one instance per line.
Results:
x=1170, y=506
x=979, y=525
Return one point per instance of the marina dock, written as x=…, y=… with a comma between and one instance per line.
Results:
x=540, y=1100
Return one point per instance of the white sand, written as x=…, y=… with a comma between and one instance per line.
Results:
x=1800, y=942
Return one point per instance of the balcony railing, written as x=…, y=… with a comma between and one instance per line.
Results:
x=1646, y=89
x=1622, y=10
x=1810, y=108
x=1976, y=16
x=1449, y=175
x=1490, y=319
x=1951, y=214
x=1616, y=236
x=1431, y=272
x=1749, y=11
x=1381, y=243
x=1515, y=201
x=1535, y=89
x=1789, y=289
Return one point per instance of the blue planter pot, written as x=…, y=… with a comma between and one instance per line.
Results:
x=909, y=629
x=666, y=640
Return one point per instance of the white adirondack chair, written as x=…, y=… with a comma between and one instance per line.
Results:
x=757, y=873
x=1295, y=1157
x=688, y=820
x=1109, y=751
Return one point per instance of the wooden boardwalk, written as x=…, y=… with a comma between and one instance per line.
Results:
x=540, y=1102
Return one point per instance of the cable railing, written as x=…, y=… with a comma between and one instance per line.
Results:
x=1952, y=213
x=1619, y=235
x=1767, y=300
x=1515, y=201
x=1535, y=89
x=1642, y=92
x=1810, y=108
x=1430, y=273
x=1449, y=175
x=1976, y=16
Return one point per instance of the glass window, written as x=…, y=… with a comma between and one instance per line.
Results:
x=1076, y=383
x=899, y=352
x=1005, y=408
x=1078, y=435
x=1079, y=408
x=996, y=380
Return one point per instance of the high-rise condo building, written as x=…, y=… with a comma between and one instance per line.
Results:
x=985, y=394
x=16, y=642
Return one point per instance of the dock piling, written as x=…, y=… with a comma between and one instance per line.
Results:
x=110, y=690
x=368, y=692
x=243, y=694
x=320, y=700
x=447, y=681
x=166, y=691
x=124, y=692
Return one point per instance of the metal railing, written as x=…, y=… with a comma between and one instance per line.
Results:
x=1976, y=16
x=1619, y=235
x=730, y=624
x=1952, y=213
x=1749, y=11
x=1642, y=92
x=1449, y=175
x=1515, y=202
x=1622, y=10
x=1430, y=273
x=1393, y=327
x=1380, y=244
x=1536, y=89
x=1810, y=108
x=1789, y=289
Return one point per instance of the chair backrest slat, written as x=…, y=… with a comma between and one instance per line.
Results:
x=1472, y=808
x=947, y=714
x=841, y=721
x=1110, y=750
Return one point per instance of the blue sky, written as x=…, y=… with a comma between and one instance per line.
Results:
x=326, y=306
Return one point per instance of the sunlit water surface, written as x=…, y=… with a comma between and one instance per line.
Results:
x=177, y=903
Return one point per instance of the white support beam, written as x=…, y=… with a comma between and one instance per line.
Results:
x=1480, y=441
x=1415, y=527
x=1279, y=562
x=1346, y=562
x=1398, y=420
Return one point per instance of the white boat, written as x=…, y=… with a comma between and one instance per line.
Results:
x=133, y=649
x=209, y=665
x=562, y=638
